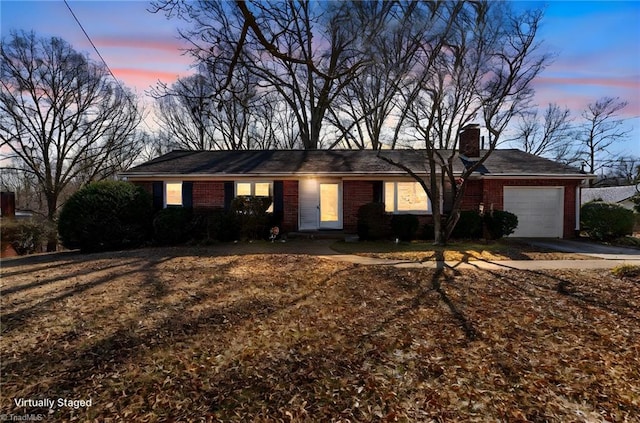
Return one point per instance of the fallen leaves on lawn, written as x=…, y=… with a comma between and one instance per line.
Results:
x=169, y=335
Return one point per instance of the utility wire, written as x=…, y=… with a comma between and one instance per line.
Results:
x=104, y=61
x=91, y=42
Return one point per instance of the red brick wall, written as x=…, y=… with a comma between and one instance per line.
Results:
x=208, y=194
x=290, y=217
x=354, y=195
x=146, y=185
x=473, y=195
x=494, y=195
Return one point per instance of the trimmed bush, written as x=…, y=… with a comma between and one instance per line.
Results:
x=106, y=215
x=606, y=221
x=405, y=226
x=497, y=223
x=173, y=225
x=500, y=223
x=27, y=236
x=251, y=216
x=372, y=222
x=469, y=225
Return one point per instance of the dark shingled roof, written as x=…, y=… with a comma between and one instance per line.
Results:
x=336, y=162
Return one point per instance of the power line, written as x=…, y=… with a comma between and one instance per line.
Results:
x=105, y=62
x=91, y=42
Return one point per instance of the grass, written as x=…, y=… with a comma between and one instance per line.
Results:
x=180, y=334
x=626, y=271
x=454, y=251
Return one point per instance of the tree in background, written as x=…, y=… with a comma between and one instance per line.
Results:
x=626, y=170
x=183, y=113
x=304, y=51
x=602, y=128
x=550, y=135
x=63, y=119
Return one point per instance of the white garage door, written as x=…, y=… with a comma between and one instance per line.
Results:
x=539, y=209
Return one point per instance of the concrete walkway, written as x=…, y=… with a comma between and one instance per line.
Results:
x=604, y=257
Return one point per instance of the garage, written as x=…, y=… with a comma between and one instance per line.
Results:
x=539, y=209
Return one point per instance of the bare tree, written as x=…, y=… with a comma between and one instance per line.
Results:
x=626, y=170
x=63, y=119
x=363, y=111
x=550, y=135
x=477, y=68
x=273, y=124
x=184, y=112
x=307, y=52
x=602, y=128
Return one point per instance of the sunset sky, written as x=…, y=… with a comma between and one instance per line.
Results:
x=597, y=46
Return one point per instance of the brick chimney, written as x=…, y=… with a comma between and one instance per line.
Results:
x=469, y=142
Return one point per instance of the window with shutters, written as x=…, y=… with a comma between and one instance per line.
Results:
x=256, y=189
x=173, y=193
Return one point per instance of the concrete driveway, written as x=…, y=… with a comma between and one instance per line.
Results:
x=585, y=247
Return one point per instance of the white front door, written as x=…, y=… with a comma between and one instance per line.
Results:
x=330, y=205
x=320, y=205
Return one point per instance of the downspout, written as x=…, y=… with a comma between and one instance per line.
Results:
x=578, y=201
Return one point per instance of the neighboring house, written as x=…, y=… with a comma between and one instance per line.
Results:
x=618, y=195
x=323, y=189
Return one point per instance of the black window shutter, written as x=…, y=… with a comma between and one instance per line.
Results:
x=158, y=195
x=228, y=194
x=377, y=192
x=187, y=194
x=278, y=196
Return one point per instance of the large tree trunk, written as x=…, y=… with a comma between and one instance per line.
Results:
x=52, y=205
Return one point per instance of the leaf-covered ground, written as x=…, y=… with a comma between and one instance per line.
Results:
x=180, y=335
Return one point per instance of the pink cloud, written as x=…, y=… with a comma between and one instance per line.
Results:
x=166, y=44
x=627, y=83
x=142, y=79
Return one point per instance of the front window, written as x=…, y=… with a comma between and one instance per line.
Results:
x=173, y=193
x=255, y=189
x=405, y=197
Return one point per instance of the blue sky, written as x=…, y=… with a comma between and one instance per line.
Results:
x=597, y=45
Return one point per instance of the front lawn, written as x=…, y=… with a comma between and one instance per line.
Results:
x=181, y=335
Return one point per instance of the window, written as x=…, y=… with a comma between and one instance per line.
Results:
x=405, y=197
x=173, y=193
x=256, y=189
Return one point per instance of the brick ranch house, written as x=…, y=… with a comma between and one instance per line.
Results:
x=323, y=189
